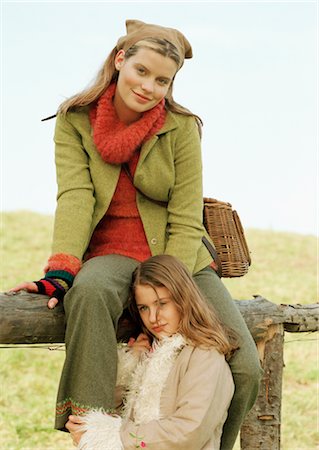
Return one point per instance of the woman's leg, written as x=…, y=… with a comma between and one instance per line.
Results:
x=244, y=364
x=92, y=308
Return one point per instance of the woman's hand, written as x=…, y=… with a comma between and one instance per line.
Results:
x=73, y=425
x=30, y=286
x=140, y=345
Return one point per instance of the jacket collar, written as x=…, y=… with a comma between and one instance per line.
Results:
x=171, y=123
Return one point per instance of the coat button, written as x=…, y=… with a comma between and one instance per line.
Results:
x=154, y=241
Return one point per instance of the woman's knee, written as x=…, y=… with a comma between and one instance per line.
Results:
x=91, y=295
x=103, y=278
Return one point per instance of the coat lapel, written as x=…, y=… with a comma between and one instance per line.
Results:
x=170, y=124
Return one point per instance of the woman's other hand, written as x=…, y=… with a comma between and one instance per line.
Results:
x=140, y=345
x=30, y=286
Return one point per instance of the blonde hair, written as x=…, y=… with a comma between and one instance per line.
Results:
x=109, y=74
x=199, y=322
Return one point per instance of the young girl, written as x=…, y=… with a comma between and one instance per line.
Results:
x=177, y=383
x=108, y=221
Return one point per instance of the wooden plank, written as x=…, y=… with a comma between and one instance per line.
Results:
x=26, y=319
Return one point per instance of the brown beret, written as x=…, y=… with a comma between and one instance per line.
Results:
x=138, y=30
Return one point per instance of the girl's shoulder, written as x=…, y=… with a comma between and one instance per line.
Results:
x=196, y=354
x=197, y=362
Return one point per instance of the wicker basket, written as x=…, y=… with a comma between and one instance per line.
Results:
x=224, y=227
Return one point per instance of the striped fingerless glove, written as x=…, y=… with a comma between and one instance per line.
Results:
x=61, y=271
x=56, y=283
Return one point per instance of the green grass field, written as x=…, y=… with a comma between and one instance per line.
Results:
x=284, y=270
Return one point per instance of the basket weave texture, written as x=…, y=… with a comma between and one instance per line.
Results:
x=225, y=229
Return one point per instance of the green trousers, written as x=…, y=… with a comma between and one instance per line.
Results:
x=93, y=307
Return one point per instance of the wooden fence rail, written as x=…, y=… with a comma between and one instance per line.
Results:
x=25, y=319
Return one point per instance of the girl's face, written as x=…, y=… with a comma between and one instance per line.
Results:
x=157, y=310
x=143, y=82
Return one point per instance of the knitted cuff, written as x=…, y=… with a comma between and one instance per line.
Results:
x=63, y=262
x=55, y=284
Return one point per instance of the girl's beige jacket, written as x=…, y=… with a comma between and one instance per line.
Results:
x=173, y=403
x=169, y=170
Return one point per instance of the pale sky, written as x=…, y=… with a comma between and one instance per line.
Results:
x=253, y=80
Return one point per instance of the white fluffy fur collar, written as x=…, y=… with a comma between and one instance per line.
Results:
x=142, y=403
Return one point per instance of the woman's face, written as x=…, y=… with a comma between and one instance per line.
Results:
x=157, y=310
x=143, y=82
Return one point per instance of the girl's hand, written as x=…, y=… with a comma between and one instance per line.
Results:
x=140, y=345
x=30, y=286
x=73, y=425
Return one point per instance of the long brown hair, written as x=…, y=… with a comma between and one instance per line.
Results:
x=199, y=322
x=109, y=74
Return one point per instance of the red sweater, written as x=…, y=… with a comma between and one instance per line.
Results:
x=121, y=230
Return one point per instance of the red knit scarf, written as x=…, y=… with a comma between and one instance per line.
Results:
x=116, y=141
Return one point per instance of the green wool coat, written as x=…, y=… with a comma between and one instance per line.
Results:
x=169, y=170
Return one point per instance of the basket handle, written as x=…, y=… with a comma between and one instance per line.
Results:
x=214, y=255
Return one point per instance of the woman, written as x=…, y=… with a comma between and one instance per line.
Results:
x=126, y=128
x=176, y=392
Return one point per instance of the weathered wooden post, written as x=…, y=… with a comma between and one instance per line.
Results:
x=261, y=428
x=25, y=319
